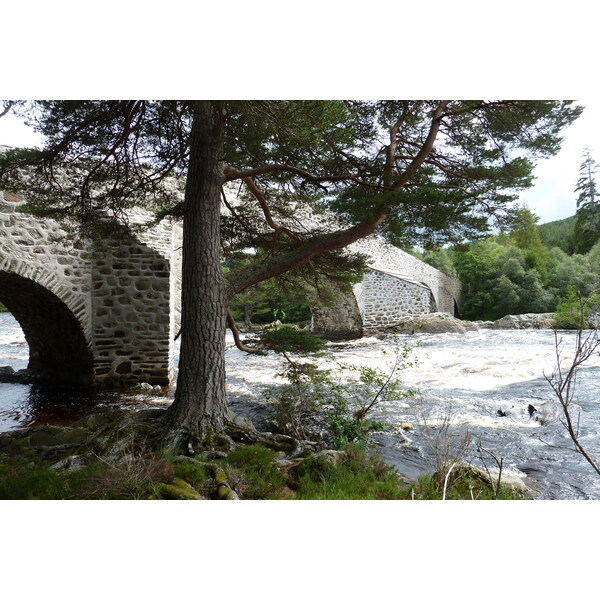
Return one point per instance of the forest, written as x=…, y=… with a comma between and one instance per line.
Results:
x=523, y=268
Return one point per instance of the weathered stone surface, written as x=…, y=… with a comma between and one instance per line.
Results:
x=433, y=323
x=526, y=321
x=79, y=302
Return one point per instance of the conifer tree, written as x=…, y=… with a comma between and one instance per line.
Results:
x=410, y=170
x=587, y=218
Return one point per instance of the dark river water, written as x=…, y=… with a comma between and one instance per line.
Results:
x=480, y=383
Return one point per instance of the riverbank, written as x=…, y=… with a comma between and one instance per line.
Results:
x=100, y=458
x=482, y=381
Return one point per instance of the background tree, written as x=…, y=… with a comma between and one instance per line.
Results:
x=587, y=219
x=477, y=269
x=524, y=234
x=426, y=171
x=518, y=288
x=441, y=259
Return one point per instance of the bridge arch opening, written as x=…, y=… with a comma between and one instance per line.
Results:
x=58, y=350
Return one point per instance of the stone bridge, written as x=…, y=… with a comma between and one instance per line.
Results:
x=396, y=285
x=108, y=312
x=104, y=312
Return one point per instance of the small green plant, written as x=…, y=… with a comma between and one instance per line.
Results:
x=256, y=473
x=316, y=406
x=342, y=424
x=377, y=386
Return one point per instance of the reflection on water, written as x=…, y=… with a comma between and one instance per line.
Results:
x=23, y=405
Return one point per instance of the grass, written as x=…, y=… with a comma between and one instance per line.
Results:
x=253, y=472
x=357, y=475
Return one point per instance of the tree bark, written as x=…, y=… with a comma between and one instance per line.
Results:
x=248, y=315
x=199, y=408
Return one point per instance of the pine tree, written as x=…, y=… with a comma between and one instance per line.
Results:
x=409, y=170
x=587, y=223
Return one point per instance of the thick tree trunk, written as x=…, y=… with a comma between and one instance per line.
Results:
x=200, y=406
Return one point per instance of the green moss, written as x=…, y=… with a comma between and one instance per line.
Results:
x=197, y=474
x=178, y=490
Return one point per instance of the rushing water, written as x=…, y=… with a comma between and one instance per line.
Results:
x=469, y=379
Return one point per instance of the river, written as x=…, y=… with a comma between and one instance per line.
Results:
x=481, y=383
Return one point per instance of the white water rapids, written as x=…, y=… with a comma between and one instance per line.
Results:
x=471, y=379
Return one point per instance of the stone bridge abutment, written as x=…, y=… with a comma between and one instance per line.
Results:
x=103, y=311
x=396, y=285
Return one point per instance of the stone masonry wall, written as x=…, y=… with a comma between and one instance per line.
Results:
x=45, y=253
x=385, y=257
x=120, y=295
x=131, y=315
x=384, y=299
x=166, y=238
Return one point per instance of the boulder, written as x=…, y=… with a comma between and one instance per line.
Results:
x=526, y=321
x=50, y=436
x=437, y=322
x=9, y=375
x=508, y=481
x=545, y=413
x=593, y=319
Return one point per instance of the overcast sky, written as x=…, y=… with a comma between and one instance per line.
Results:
x=552, y=197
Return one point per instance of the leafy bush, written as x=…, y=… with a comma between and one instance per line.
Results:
x=315, y=406
x=575, y=310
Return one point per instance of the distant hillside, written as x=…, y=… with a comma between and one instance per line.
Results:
x=559, y=234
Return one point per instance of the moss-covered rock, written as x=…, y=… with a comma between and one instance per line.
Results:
x=179, y=490
x=49, y=435
x=463, y=471
x=433, y=323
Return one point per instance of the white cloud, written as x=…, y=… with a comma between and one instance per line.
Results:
x=553, y=195
x=14, y=132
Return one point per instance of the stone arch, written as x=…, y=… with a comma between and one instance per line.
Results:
x=59, y=348
x=433, y=301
